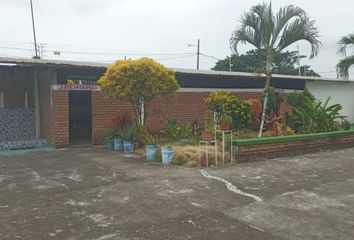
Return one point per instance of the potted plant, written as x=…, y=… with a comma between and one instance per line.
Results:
x=129, y=138
x=118, y=140
x=151, y=148
x=109, y=139
x=209, y=128
x=225, y=122
x=167, y=154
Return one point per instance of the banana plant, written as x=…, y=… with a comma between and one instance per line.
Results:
x=316, y=116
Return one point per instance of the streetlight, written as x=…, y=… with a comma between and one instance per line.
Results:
x=198, y=51
x=34, y=33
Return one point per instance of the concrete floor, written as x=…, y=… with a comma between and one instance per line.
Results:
x=90, y=193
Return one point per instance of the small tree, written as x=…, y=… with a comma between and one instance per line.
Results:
x=140, y=81
x=272, y=33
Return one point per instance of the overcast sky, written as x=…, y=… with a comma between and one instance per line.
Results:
x=105, y=30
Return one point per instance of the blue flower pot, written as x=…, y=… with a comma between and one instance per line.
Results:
x=118, y=145
x=167, y=154
x=151, y=151
x=128, y=147
x=110, y=145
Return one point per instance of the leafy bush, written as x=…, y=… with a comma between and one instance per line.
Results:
x=185, y=131
x=129, y=133
x=241, y=114
x=196, y=128
x=256, y=110
x=222, y=102
x=110, y=135
x=121, y=120
x=297, y=99
x=276, y=126
x=273, y=102
x=225, y=118
x=219, y=102
x=316, y=116
x=143, y=137
x=346, y=125
x=209, y=121
x=171, y=127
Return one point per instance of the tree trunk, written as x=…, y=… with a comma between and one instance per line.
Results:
x=266, y=92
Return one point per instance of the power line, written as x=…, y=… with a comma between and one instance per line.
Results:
x=122, y=53
x=162, y=59
x=209, y=56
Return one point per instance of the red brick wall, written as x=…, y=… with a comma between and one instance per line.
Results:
x=187, y=106
x=60, y=118
x=261, y=151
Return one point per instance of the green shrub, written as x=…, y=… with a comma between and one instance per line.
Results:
x=241, y=113
x=297, y=99
x=143, y=137
x=222, y=102
x=315, y=117
x=185, y=131
x=346, y=125
x=273, y=103
x=209, y=125
x=219, y=101
x=171, y=127
x=129, y=133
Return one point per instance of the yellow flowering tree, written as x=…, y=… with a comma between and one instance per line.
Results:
x=140, y=81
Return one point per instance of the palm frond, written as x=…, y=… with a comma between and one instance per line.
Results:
x=345, y=43
x=343, y=67
x=246, y=35
x=300, y=29
x=265, y=14
x=285, y=15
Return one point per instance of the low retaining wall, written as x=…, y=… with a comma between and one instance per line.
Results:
x=271, y=147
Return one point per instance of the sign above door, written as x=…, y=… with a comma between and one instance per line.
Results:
x=75, y=87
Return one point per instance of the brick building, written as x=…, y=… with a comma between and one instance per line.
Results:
x=37, y=104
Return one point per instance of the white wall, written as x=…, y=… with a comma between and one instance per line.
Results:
x=340, y=92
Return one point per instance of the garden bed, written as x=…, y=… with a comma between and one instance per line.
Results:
x=271, y=147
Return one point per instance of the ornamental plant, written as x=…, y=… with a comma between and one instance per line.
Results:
x=139, y=81
x=273, y=32
x=223, y=102
x=256, y=111
x=316, y=116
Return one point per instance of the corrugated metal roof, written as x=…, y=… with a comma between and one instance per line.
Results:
x=29, y=61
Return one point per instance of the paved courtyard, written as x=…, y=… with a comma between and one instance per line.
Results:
x=91, y=193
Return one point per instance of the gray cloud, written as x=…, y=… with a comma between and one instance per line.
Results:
x=156, y=26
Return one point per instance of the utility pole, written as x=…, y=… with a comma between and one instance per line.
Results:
x=230, y=63
x=34, y=34
x=298, y=59
x=198, y=53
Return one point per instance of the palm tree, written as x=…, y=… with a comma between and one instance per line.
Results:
x=271, y=33
x=348, y=61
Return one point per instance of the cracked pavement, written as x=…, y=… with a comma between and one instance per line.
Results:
x=92, y=193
